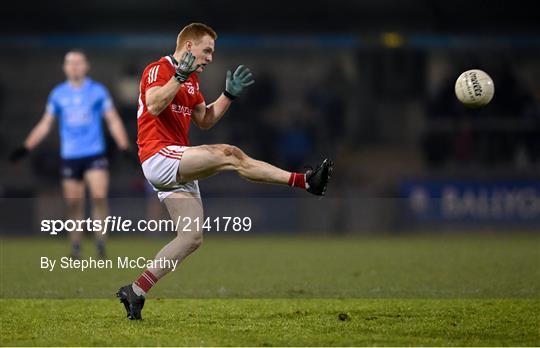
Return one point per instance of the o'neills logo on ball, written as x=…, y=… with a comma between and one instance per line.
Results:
x=477, y=87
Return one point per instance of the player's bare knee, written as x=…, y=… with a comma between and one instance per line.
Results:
x=233, y=155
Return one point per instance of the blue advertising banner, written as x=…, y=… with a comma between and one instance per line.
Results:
x=514, y=202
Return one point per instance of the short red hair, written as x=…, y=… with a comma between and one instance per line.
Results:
x=194, y=31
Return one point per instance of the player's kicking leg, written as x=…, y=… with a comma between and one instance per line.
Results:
x=198, y=163
x=202, y=161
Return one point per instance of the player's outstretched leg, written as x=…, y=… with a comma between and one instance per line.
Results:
x=188, y=239
x=199, y=162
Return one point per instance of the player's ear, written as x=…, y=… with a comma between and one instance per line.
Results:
x=189, y=45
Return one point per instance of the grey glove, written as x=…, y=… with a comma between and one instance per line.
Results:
x=235, y=83
x=185, y=67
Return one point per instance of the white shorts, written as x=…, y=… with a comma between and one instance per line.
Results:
x=161, y=169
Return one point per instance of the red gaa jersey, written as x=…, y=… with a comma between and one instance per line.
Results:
x=171, y=126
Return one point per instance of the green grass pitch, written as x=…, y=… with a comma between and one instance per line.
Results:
x=438, y=290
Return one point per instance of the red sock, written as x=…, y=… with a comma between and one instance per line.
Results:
x=298, y=180
x=146, y=281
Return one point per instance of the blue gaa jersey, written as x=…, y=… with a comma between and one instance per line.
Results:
x=80, y=112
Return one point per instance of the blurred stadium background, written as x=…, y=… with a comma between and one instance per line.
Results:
x=368, y=83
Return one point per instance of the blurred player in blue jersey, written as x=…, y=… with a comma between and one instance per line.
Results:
x=80, y=104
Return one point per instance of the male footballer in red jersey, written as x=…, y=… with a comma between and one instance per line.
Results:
x=169, y=100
